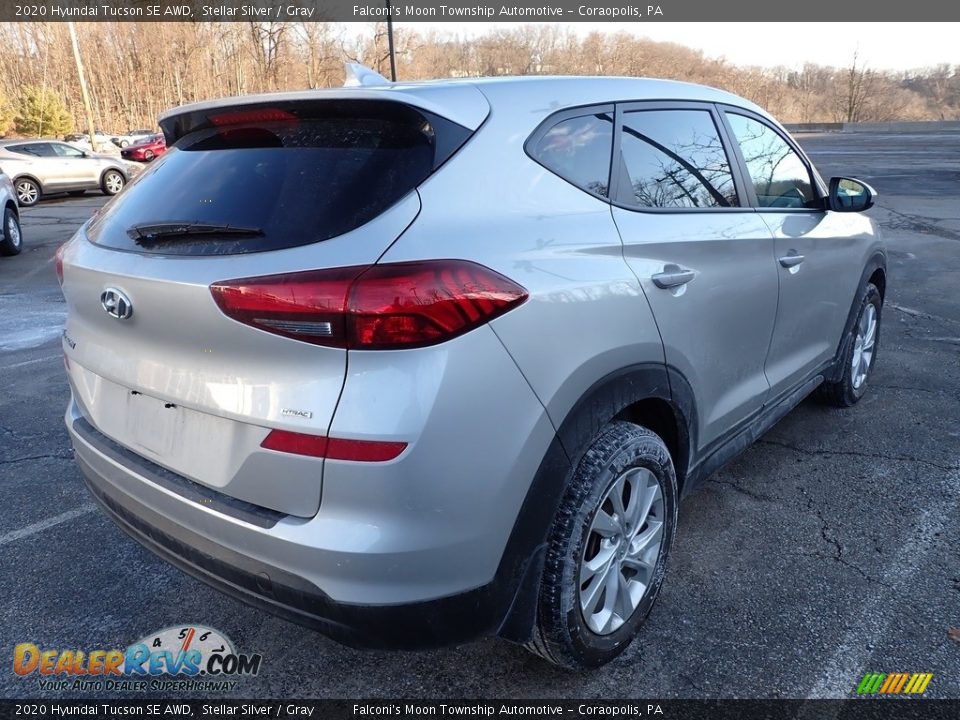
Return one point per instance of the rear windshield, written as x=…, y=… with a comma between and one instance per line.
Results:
x=250, y=180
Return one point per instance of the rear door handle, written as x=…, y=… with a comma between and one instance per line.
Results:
x=791, y=259
x=673, y=276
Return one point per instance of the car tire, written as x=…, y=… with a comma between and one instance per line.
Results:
x=76, y=193
x=591, y=532
x=28, y=192
x=860, y=355
x=148, y=155
x=112, y=182
x=124, y=143
x=12, y=242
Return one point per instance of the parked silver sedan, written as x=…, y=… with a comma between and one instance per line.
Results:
x=42, y=167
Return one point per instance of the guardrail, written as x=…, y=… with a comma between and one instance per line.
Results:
x=932, y=126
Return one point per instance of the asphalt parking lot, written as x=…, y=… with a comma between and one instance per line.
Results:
x=829, y=549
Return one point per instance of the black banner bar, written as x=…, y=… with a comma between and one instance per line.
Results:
x=854, y=709
x=544, y=11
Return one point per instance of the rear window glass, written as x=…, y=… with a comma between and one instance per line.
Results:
x=578, y=149
x=250, y=180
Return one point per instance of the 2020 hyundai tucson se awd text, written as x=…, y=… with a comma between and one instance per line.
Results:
x=416, y=363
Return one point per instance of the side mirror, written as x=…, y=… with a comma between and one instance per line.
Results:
x=849, y=195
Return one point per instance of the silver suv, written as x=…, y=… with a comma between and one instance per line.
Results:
x=416, y=363
x=42, y=167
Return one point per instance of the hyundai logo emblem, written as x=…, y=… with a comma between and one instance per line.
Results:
x=116, y=303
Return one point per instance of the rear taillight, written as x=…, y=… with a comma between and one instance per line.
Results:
x=58, y=263
x=332, y=448
x=378, y=307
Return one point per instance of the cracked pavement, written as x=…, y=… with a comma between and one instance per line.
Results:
x=829, y=549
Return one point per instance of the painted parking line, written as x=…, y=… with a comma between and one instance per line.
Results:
x=46, y=358
x=848, y=663
x=46, y=524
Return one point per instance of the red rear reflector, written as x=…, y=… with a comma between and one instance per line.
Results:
x=379, y=307
x=333, y=448
x=58, y=263
x=364, y=450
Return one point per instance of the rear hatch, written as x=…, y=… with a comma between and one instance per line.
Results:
x=246, y=191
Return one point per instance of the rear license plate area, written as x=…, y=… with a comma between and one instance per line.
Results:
x=151, y=424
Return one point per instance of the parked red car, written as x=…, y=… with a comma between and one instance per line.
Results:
x=146, y=150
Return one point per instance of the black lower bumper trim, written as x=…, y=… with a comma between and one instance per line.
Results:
x=182, y=486
x=435, y=623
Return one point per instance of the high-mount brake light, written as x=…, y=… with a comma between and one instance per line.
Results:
x=242, y=117
x=374, y=307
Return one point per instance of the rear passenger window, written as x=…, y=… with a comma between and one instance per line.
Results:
x=33, y=149
x=578, y=150
x=675, y=159
x=780, y=178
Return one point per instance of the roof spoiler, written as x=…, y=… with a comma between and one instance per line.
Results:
x=361, y=76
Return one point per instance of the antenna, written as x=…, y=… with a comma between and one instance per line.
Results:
x=361, y=76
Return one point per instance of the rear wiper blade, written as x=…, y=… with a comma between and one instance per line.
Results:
x=148, y=232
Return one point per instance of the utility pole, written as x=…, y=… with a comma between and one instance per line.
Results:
x=393, y=55
x=83, y=87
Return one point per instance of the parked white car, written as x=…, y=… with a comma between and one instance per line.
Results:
x=131, y=138
x=105, y=143
x=11, y=238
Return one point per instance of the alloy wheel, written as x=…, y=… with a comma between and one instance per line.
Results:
x=863, y=346
x=12, y=231
x=27, y=193
x=113, y=182
x=621, y=550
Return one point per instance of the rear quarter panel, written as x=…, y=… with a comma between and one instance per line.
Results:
x=586, y=315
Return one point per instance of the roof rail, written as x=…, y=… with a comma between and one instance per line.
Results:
x=361, y=76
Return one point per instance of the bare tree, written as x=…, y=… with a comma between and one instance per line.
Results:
x=134, y=71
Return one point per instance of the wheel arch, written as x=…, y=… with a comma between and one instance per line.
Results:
x=879, y=278
x=126, y=178
x=875, y=271
x=649, y=394
x=27, y=176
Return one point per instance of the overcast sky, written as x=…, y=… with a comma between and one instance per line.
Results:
x=896, y=46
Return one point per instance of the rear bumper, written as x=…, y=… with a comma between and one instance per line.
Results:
x=425, y=550
x=434, y=623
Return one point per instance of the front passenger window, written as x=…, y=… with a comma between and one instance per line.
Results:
x=67, y=151
x=780, y=178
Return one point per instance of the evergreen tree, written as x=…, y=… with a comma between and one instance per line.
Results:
x=6, y=115
x=41, y=114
